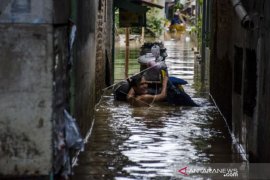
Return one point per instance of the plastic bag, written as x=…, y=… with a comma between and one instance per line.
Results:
x=72, y=134
x=155, y=50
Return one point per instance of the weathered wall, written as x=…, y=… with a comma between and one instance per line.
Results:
x=33, y=48
x=60, y=94
x=161, y=11
x=247, y=65
x=103, y=46
x=34, y=12
x=262, y=117
x=26, y=11
x=93, y=65
x=93, y=57
x=109, y=43
x=85, y=63
x=244, y=83
x=220, y=80
x=34, y=84
x=100, y=48
x=26, y=99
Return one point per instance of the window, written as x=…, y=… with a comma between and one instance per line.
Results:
x=238, y=65
x=250, y=82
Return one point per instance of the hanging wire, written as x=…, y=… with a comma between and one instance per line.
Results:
x=113, y=86
x=124, y=80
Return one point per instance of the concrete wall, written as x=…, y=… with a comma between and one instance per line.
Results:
x=33, y=48
x=262, y=117
x=162, y=11
x=85, y=63
x=109, y=43
x=93, y=66
x=245, y=62
x=26, y=99
x=26, y=11
x=220, y=80
x=100, y=47
x=34, y=86
x=104, y=47
x=34, y=11
x=94, y=39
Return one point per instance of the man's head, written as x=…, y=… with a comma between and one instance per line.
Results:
x=139, y=84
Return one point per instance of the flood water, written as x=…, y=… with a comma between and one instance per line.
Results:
x=154, y=143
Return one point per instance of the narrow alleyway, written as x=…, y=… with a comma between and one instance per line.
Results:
x=140, y=143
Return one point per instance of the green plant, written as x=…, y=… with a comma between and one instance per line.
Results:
x=154, y=23
x=199, y=30
x=178, y=5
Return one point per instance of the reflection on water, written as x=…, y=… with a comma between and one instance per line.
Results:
x=138, y=143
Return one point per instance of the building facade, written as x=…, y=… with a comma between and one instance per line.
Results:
x=239, y=71
x=42, y=75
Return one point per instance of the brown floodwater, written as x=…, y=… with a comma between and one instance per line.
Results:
x=155, y=142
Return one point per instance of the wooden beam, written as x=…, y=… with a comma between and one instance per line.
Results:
x=127, y=53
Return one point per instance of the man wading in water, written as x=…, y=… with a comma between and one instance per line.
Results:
x=138, y=93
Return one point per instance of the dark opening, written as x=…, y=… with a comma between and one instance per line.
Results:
x=99, y=5
x=250, y=82
x=238, y=65
x=105, y=12
x=107, y=70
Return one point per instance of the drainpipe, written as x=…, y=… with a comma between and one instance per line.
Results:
x=245, y=19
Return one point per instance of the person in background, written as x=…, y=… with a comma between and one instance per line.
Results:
x=177, y=18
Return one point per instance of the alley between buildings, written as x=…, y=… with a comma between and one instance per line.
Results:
x=156, y=142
